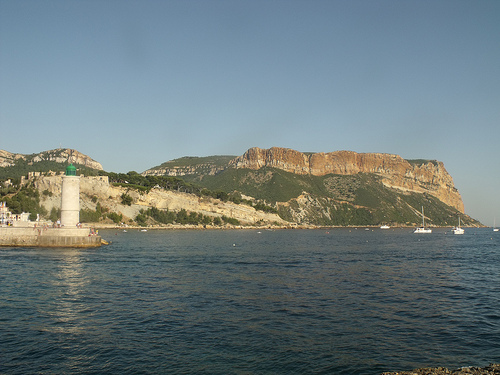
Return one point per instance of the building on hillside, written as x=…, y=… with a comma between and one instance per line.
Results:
x=8, y=218
x=4, y=213
x=32, y=175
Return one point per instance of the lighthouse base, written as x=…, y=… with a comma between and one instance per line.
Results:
x=48, y=237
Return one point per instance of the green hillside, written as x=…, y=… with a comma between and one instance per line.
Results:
x=359, y=199
x=217, y=160
x=22, y=168
x=272, y=185
x=334, y=199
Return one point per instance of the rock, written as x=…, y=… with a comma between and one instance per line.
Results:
x=493, y=369
x=8, y=159
x=98, y=189
x=427, y=177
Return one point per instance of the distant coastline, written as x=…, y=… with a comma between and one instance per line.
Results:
x=277, y=187
x=250, y=227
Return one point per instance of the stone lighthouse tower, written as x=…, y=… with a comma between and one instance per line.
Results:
x=70, y=198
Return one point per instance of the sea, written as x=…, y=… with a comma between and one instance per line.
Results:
x=253, y=301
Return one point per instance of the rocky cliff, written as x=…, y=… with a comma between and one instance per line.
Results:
x=335, y=188
x=98, y=189
x=423, y=177
x=60, y=155
x=186, y=166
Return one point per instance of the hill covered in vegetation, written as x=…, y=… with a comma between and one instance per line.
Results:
x=341, y=188
x=14, y=166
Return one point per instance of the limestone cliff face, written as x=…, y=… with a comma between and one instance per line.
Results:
x=208, y=169
x=109, y=196
x=430, y=177
x=191, y=165
x=8, y=159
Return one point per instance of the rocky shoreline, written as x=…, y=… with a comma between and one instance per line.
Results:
x=493, y=369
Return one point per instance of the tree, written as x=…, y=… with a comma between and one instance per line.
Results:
x=126, y=199
x=182, y=216
x=115, y=217
x=55, y=214
x=141, y=219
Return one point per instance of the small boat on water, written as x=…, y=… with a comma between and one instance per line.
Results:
x=385, y=227
x=458, y=230
x=495, y=229
x=422, y=229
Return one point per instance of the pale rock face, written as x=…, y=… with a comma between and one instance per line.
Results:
x=182, y=171
x=8, y=159
x=110, y=196
x=396, y=172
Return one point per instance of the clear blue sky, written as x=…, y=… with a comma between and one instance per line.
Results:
x=133, y=84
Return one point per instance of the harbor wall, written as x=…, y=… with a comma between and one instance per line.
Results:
x=48, y=237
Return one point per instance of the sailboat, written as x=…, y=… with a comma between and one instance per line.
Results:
x=458, y=230
x=494, y=225
x=422, y=229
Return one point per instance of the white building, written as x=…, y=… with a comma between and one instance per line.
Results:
x=8, y=218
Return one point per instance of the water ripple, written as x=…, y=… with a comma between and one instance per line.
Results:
x=283, y=302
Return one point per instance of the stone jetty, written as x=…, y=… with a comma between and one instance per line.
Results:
x=48, y=237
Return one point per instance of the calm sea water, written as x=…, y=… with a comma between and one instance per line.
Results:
x=250, y=302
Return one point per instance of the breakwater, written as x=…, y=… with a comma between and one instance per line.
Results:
x=48, y=237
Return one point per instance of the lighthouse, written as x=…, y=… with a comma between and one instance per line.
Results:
x=70, y=198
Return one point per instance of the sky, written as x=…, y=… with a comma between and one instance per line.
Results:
x=133, y=84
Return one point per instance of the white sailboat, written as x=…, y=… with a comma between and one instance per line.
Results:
x=458, y=230
x=422, y=229
x=495, y=229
